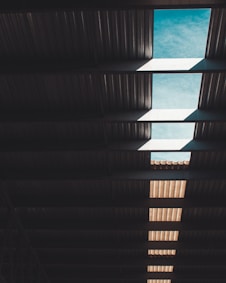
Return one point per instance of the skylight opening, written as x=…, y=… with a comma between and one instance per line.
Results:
x=159, y=281
x=165, y=214
x=173, y=130
x=175, y=91
x=180, y=33
x=162, y=252
x=171, y=156
x=167, y=188
x=163, y=236
x=160, y=268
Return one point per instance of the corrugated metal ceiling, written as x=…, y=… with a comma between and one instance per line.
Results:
x=42, y=111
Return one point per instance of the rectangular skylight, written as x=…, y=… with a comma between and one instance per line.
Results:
x=159, y=281
x=171, y=156
x=172, y=130
x=165, y=214
x=160, y=268
x=172, y=91
x=180, y=33
x=167, y=188
x=162, y=252
x=163, y=235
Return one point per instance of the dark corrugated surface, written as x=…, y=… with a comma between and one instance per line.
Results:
x=75, y=92
x=85, y=35
x=210, y=130
x=118, y=234
x=210, y=189
x=214, y=160
x=213, y=91
x=216, y=45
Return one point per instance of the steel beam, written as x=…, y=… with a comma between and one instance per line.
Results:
x=162, y=65
x=101, y=4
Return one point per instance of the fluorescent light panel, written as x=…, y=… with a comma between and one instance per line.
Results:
x=165, y=214
x=167, y=189
x=160, y=268
x=162, y=252
x=163, y=236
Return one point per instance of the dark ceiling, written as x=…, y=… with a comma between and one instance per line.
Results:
x=75, y=189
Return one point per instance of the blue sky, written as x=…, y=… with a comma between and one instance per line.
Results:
x=177, y=34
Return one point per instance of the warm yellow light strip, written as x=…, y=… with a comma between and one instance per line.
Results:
x=165, y=214
x=163, y=235
x=155, y=252
x=167, y=189
x=160, y=268
x=159, y=281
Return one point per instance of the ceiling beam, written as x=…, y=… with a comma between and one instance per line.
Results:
x=109, y=224
x=155, y=174
x=126, y=4
x=151, y=145
x=61, y=200
x=158, y=65
x=149, y=116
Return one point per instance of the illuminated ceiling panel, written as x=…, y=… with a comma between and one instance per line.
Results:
x=160, y=268
x=165, y=214
x=167, y=189
x=163, y=235
x=155, y=252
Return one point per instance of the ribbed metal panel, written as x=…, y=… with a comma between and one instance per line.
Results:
x=201, y=252
x=128, y=131
x=49, y=92
x=56, y=132
x=215, y=160
x=88, y=35
x=70, y=238
x=68, y=133
x=73, y=160
x=76, y=221
x=78, y=189
x=123, y=34
x=216, y=45
x=126, y=91
x=213, y=91
x=209, y=189
x=202, y=214
x=67, y=92
x=210, y=130
x=128, y=160
x=46, y=215
x=210, y=235
x=171, y=165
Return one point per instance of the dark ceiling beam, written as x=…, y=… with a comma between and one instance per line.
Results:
x=192, y=273
x=116, y=225
x=40, y=241
x=168, y=116
x=164, y=65
x=62, y=200
x=151, y=145
x=135, y=263
x=156, y=174
x=132, y=261
x=149, y=116
x=89, y=4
